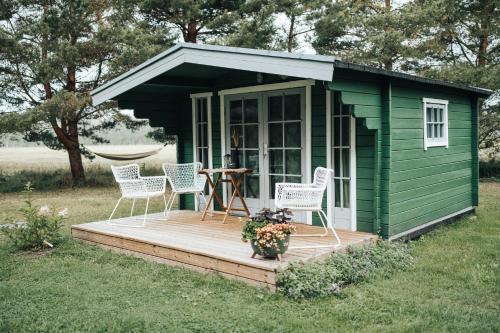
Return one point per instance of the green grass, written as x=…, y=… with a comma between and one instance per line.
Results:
x=454, y=286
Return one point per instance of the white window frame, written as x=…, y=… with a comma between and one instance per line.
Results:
x=433, y=142
x=194, y=99
x=307, y=84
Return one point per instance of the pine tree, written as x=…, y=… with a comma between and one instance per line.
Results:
x=195, y=19
x=53, y=52
x=371, y=32
x=459, y=41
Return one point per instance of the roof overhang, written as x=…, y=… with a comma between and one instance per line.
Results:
x=315, y=67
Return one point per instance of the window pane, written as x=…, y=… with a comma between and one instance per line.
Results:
x=429, y=114
x=238, y=130
x=205, y=158
x=275, y=108
x=199, y=135
x=293, y=161
x=346, y=109
x=345, y=162
x=276, y=161
x=292, y=179
x=336, y=104
x=292, y=107
x=251, y=136
x=429, y=131
x=345, y=131
x=251, y=111
x=440, y=115
x=199, y=111
x=337, y=192
x=436, y=131
x=336, y=131
x=292, y=135
x=276, y=135
x=273, y=180
x=346, y=193
x=435, y=115
x=204, y=134
x=252, y=186
x=441, y=130
x=252, y=160
x=336, y=162
x=235, y=111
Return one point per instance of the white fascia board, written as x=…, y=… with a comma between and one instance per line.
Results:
x=306, y=67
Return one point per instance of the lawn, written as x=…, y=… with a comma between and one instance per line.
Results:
x=454, y=286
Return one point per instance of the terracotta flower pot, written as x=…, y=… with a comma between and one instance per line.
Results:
x=272, y=252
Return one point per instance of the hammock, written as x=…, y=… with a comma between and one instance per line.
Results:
x=127, y=157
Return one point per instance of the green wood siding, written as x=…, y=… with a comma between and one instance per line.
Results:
x=428, y=184
x=365, y=93
x=318, y=135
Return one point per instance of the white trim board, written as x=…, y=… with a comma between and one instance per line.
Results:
x=352, y=165
x=428, y=224
x=194, y=97
x=267, y=87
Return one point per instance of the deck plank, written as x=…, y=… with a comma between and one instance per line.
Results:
x=207, y=246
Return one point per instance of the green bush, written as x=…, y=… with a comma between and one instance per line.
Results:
x=489, y=169
x=41, y=228
x=358, y=264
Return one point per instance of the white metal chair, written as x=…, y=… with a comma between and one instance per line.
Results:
x=307, y=197
x=184, y=179
x=134, y=186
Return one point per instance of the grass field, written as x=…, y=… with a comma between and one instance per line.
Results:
x=14, y=159
x=454, y=286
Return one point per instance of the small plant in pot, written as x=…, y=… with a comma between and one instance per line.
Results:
x=269, y=233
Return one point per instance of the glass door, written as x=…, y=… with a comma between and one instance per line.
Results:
x=244, y=122
x=284, y=138
x=342, y=149
x=270, y=128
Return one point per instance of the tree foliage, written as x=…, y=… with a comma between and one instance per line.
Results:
x=195, y=19
x=53, y=53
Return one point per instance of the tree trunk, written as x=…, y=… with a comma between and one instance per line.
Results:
x=75, y=157
x=483, y=46
x=191, y=33
x=388, y=62
x=76, y=165
x=291, y=34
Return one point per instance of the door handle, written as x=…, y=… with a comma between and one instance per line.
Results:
x=265, y=150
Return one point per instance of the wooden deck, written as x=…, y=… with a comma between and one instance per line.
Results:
x=208, y=246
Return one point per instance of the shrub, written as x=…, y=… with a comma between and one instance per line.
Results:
x=358, y=264
x=489, y=169
x=41, y=228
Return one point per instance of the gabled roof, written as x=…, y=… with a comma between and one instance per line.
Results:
x=315, y=67
x=307, y=66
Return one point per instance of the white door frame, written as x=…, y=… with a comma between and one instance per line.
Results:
x=194, y=98
x=268, y=87
x=352, y=173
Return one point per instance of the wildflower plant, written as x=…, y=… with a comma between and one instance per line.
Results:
x=41, y=227
x=268, y=228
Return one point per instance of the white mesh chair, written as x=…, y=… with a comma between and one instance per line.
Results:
x=134, y=186
x=184, y=179
x=307, y=197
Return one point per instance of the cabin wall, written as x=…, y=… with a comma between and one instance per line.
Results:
x=318, y=135
x=429, y=184
x=365, y=94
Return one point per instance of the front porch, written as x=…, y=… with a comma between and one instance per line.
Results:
x=207, y=246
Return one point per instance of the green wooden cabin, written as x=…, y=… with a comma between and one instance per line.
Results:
x=404, y=148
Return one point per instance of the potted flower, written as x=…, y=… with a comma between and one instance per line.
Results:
x=269, y=233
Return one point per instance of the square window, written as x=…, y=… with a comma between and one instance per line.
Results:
x=435, y=123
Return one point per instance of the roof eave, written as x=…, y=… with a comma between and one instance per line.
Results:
x=481, y=92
